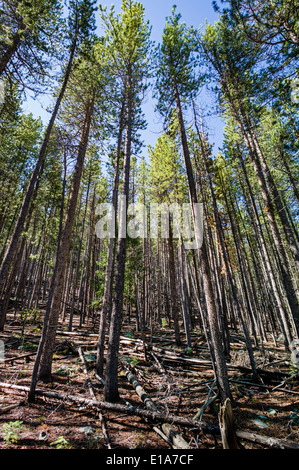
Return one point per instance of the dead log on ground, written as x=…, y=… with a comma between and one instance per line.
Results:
x=89, y=384
x=117, y=408
x=7, y=408
x=267, y=441
x=16, y=358
x=178, y=442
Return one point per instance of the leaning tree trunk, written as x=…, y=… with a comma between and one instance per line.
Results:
x=221, y=370
x=43, y=362
x=14, y=242
x=10, y=51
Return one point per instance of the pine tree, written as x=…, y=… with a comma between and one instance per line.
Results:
x=79, y=19
x=29, y=33
x=178, y=81
x=128, y=40
x=86, y=92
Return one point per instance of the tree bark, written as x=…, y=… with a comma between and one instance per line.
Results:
x=10, y=50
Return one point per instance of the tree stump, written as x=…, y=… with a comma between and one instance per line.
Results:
x=227, y=428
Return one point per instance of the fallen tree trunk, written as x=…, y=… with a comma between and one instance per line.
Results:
x=16, y=358
x=172, y=434
x=158, y=417
x=7, y=408
x=114, y=407
x=149, y=404
x=267, y=441
x=92, y=394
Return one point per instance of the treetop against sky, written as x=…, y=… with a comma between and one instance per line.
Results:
x=195, y=13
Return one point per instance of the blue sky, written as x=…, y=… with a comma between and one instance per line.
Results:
x=194, y=12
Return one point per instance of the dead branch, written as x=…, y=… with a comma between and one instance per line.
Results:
x=208, y=401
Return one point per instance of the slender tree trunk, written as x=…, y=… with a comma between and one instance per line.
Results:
x=13, y=245
x=173, y=289
x=110, y=257
x=186, y=317
x=89, y=260
x=75, y=281
x=221, y=370
x=111, y=393
x=43, y=362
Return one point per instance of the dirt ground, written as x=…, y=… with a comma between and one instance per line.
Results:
x=269, y=408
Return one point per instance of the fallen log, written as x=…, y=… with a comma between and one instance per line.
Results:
x=267, y=441
x=77, y=333
x=268, y=387
x=162, y=369
x=21, y=356
x=177, y=440
x=265, y=372
x=168, y=357
x=7, y=408
x=175, y=437
x=117, y=408
x=149, y=404
x=89, y=384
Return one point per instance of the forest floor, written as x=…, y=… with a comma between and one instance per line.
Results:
x=177, y=380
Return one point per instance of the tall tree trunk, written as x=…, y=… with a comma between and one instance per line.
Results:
x=43, y=361
x=221, y=370
x=13, y=245
x=89, y=270
x=75, y=281
x=185, y=308
x=110, y=256
x=111, y=393
x=173, y=289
